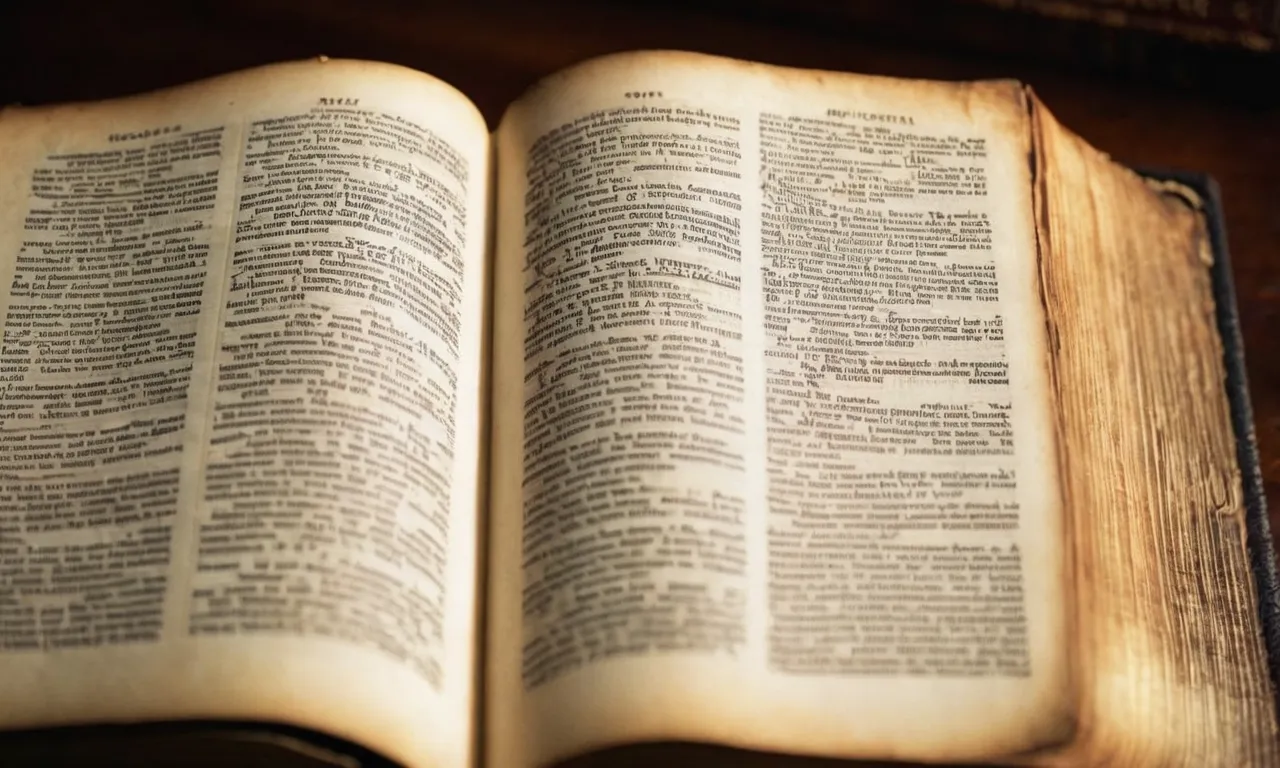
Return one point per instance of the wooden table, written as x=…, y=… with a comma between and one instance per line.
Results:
x=54, y=51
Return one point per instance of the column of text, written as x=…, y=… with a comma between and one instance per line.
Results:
x=96, y=364
x=328, y=480
x=892, y=493
x=633, y=538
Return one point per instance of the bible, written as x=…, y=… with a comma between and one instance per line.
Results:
x=702, y=401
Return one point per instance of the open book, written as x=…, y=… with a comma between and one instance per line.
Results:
x=702, y=401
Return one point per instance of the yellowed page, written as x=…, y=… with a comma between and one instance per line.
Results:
x=1169, y=629
x=242, y=363
x=773, y=461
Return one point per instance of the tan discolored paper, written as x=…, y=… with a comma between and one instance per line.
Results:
x=664, y=206
x=1170, y=643
x=279, y=390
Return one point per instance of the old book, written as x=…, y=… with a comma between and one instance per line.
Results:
x=702, y=401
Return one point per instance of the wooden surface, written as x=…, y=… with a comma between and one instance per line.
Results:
x=57, y=51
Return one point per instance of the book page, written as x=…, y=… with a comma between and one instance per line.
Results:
x=241, y=367
x=773, y=457
x=1169, y=627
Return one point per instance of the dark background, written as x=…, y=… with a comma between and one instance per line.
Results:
x=1145, y=99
